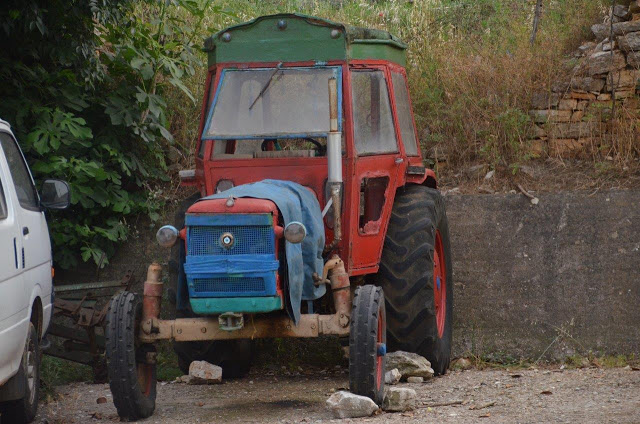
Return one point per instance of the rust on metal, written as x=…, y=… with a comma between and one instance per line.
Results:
x=198, y=329
x=152, y=298
x=85, y=346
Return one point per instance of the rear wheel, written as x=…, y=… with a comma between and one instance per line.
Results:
x=367, y=343
x=130, y=364
x=416, y=275
x=24, y=410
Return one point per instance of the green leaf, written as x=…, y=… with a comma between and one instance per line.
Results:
x=137, y=63
x=179, y=84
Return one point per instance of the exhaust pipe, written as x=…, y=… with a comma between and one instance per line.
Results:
x=334, y=162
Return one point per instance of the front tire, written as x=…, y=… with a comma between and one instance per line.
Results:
x=24, y=410
x=416, y=275
x=367, y=343
x=132, y=378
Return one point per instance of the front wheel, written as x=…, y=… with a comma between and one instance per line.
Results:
x=130, y=364
x=24, y=410
x=367, y=343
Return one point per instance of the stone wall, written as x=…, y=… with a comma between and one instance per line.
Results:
x=577, y=111
x=562, y=276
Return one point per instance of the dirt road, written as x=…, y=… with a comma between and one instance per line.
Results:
x=491, y=396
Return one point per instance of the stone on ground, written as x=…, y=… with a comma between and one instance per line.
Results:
x=409, y=364
x=461, y=364
x=415, y=380
x=344, y=404
x=399, y=399
x=392, y=377
x=202, y=372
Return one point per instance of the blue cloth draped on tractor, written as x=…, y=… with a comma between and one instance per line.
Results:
x=296, y=203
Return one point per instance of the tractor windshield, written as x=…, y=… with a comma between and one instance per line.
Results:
x=252, y=106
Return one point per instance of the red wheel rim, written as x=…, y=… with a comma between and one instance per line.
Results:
x=439, y=284
x=381, y=339
x=145, y=377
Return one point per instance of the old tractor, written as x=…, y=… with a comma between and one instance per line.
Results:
x=315, y=215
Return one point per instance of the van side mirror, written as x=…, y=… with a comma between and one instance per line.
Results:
x=55, y=194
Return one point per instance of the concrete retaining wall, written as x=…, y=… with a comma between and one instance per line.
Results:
x=562, y=276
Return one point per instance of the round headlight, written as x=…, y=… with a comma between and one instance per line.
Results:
x=167, y=235
x=295, y=232
x=224, y=185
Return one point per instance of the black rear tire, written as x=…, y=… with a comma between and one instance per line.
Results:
x=418, y=224
x=132, y=380
x=24, y=410
x=367, y=343
x=233, y=356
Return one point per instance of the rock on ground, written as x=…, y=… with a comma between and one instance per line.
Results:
x=399, y=399
x=409, y=364
x=392, y=377
x=462, y=364
x=202, y=372
x=415, y=380
x=347, y=405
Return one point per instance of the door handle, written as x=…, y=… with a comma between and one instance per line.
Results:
x=25, y=231
x=399, y=161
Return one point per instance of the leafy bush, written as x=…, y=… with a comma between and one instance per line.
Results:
x=83, y=87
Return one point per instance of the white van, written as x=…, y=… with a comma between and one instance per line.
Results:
x=26, y=289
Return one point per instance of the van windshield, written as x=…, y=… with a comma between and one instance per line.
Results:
x=270, y=104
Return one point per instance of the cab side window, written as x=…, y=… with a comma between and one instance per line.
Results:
x=403, y=107
x=26, y=191
x=372, y=120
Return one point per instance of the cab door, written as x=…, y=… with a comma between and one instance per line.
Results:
x=13, y=298
x=377, y=167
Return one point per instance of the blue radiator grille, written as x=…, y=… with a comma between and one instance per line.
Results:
x=229, y=285
x=254, y=239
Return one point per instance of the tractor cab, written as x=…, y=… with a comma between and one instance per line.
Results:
x=315, y=214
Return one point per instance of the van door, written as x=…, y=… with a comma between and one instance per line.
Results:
x=13, y=298
x=35, y=255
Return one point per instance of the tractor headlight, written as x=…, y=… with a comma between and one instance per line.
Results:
x=224, y=185
x=295, y=232
x=167, y=235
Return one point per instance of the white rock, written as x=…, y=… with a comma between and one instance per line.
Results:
x=347, y=405
x=202, y=372
x=409, y=364
x=399, y=399
x=489, y=175
x=415, y=380
x=392, y=377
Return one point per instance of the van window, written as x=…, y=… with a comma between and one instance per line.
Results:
x=372, y=120
x=26, y=191
x=3, y=203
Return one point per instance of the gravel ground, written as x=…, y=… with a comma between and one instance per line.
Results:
x=492, y=396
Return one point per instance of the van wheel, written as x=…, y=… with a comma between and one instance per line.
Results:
x=132, y=376
x=24, y=410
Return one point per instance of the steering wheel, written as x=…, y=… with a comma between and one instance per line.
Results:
x=320, y=147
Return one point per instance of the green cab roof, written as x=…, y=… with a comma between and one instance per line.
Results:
x=292, y=37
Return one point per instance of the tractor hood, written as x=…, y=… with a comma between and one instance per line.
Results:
x=296, y=203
